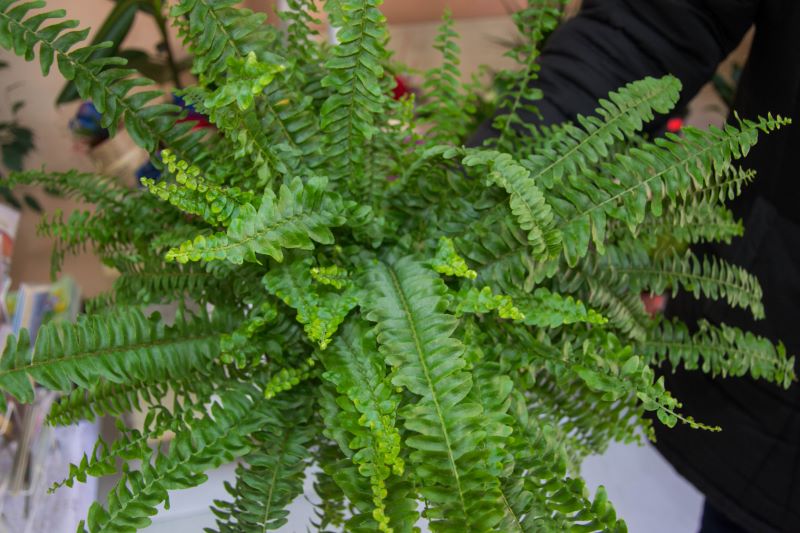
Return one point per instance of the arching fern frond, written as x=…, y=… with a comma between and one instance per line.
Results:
x=708, y=276
x=194, y=194
x=222, y=436
x=120, y=347
x=518, y=92
x=113, y=399
x=355, y=75
x=542, y=497
x=574, y=150
x=669, y=168
x=720, y=351
x=271, y=475
x=443, y=107
x=527, y=202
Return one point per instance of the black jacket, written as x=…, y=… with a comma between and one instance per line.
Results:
x=751, y=470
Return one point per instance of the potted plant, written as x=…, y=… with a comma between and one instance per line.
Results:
x=424, y=322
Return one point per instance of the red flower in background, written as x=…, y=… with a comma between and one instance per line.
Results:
x=401, y=89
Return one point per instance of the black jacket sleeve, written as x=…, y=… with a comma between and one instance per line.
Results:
x=613, y=42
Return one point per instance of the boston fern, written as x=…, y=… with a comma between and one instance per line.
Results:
x=441, y=332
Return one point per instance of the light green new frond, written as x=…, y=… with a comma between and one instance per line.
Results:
x=574, y=150
x=356, y=368
x=120, y=347
x=332, y=275
x=414, y=334
x=720, y=350
x=194, y=194
x=319, y=310
x=448, y=262
x=287, y=378
x=271, y=475
x=545, y=309
x=481, y=301
x=355, y=73
x=301, y=214
x=667, y=169
x=527, y=202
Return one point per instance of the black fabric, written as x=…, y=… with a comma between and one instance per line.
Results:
x=750, y=471
x=716, y=522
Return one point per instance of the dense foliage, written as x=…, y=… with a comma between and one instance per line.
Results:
x=443, y=332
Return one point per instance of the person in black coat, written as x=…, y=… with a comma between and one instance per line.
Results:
x=749, y=472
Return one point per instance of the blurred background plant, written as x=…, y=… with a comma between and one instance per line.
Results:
x=16, y=141
x=161, y=68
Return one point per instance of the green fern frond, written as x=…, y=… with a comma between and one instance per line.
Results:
x=708, y=276
x=544, y=497
x=299, y=215
x=414, y=335
x=84, y=186
x=576, y=150
x=720, y=350
x=287, y=378
x=159, y=283
x=355, y=74
x=703, y=222
x=271, y=475
x=473, y=300
x=113, y=399
x=120, y=347
x=222, y=436
x=546, y=309
x=518, y=93
x=443, y=107
x=216, y=30
x=669, y=168
x=354, y=366
x=319, y=310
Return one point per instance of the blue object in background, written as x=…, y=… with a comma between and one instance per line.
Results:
x=87, y=124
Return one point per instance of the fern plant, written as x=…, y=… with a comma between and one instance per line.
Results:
x=442, y=332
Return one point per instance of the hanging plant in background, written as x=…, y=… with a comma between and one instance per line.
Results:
x=16, y=141
x=460, y=335
x=112, y=33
